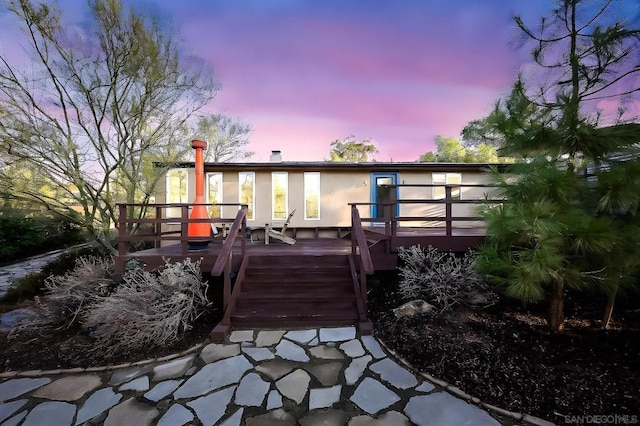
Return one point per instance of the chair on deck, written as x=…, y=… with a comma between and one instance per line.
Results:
x=279, y=235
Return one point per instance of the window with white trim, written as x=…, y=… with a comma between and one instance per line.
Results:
x=439, y=192
x=312, y=195
x=247, y=191
x=176, y=187
x=279, y=195
x=214, y=193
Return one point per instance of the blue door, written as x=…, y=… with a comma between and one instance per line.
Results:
x=381, y=191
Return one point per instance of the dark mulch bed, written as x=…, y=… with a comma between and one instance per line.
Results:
x=505, y=356
x=51, y=349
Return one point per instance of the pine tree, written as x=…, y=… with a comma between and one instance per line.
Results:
x=570, y=217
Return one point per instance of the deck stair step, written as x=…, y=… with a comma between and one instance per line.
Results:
x=371, y=236
x=375, y=235
x=299, y=290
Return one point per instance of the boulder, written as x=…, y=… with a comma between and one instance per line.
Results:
x=417, y=306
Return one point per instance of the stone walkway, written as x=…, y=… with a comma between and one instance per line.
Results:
x=9, y=274
x=327, y=376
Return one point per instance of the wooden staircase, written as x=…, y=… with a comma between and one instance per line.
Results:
x=298, y=290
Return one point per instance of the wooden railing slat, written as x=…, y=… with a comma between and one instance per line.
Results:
x=361, y=241
x=231, y=299
x=227, y=246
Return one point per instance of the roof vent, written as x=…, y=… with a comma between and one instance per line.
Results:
x=276, y=156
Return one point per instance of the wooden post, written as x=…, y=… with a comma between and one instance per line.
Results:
x=184, y=229
x=122, y=234
x=363, y=286
x=227, y=281
x=158, y=227
x=386, y=208
x=353, y=234
x=393, y=199
x=243, y=241
x=448, y=210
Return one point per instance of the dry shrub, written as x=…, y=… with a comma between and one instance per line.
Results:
x=145, y=309
x=441, y=278
x=149, y=309
x=70, y=296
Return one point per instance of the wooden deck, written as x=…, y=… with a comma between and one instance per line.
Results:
x=153, y=258
x=316, y=281
x=383, y=249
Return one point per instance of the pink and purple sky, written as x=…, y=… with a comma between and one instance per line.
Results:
x=303, y=73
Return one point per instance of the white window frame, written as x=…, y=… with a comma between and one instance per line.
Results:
x=220, y=181
x=174, y=211
x=251, y=213
x=273, y=195
x=444, y=178
x=311, y=187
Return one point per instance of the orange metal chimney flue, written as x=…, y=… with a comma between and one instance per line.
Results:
x=199, y=232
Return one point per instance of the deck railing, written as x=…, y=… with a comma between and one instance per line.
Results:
x=392, y=220
x=160, y=227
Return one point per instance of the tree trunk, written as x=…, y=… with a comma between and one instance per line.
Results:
x=608, y=310
x=556, y=307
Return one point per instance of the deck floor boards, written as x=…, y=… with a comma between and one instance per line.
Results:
x=460, y=240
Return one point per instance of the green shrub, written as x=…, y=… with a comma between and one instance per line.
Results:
x=20, y=236
x=61, y=232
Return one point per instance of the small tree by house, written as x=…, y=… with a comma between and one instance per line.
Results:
x=95, y=107
x=227, y=139
x=351, y=150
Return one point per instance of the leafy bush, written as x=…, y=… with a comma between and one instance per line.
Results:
x=441, y=278
x=19, y=236
x=23, y=236
x=149, y=309
x=61, y=232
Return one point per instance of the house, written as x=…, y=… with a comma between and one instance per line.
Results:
x=320, y=192
x=368, y=210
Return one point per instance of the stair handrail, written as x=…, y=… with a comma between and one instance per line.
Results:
x=360, y=301
x=359, y=240
x=227, y=247
x=224, y=260
x=237, y=288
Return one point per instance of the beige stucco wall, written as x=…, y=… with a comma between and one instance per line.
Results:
x=338, y=189
x=438, y=210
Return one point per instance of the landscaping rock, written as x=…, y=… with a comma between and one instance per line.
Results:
x=417, y=306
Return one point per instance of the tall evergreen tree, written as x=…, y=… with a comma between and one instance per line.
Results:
x=569, y=219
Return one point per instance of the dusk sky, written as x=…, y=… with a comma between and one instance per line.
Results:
x=303, y=73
